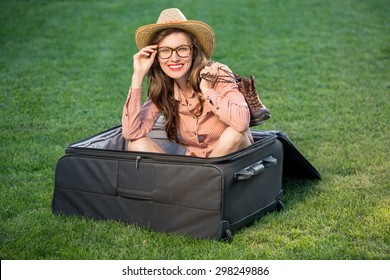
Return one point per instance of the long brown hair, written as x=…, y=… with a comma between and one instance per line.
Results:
x=161, y=86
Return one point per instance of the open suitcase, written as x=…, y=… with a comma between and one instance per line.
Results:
x=205, y=198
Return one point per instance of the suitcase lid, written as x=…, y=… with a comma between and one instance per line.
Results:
x=295, y=164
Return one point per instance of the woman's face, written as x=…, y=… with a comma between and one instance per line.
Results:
x=176, y=67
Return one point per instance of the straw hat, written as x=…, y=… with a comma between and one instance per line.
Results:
x=174, y=18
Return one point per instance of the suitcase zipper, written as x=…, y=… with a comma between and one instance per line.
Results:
x=137, y=160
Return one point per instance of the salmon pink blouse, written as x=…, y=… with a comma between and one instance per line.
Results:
x=224, y=106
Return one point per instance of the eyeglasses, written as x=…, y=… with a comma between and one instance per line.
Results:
x=182, y=51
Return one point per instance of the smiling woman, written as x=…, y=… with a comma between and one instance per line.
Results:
x=209, y=119
x=172, y=64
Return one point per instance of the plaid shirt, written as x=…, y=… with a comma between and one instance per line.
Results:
x=224, y=106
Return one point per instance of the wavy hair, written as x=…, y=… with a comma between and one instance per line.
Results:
x=160, y=89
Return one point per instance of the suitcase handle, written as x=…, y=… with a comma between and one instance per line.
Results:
x=134, y=194
x=255, y=169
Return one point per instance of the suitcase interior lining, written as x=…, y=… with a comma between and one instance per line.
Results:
x=113, y=140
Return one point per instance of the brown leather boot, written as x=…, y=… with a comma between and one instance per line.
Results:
x=259, y=113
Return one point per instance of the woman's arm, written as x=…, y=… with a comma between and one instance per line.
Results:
x=138, y=119
x=226, y=101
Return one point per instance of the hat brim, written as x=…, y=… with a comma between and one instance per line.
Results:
x=202, y=32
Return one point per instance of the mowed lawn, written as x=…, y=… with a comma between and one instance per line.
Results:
x=321, y=67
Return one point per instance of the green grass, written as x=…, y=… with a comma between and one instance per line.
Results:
x=322, y=67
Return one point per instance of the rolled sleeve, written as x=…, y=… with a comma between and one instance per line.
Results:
x=138, y=119
x=229, y=105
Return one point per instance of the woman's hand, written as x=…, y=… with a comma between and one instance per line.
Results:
x=205, y=85
x=142, y=61
x=209, y=76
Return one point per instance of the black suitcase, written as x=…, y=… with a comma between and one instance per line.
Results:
x=205, y=198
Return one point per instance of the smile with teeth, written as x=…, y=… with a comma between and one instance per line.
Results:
x=175, y=67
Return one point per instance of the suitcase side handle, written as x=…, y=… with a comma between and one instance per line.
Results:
x=255, y=169
x=134, y=194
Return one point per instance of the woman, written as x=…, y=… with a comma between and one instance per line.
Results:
x=209, y=119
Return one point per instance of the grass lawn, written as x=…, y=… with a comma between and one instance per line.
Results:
x=321, y=66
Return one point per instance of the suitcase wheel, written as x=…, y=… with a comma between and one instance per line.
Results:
x=228, y=236
x=279, y=206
